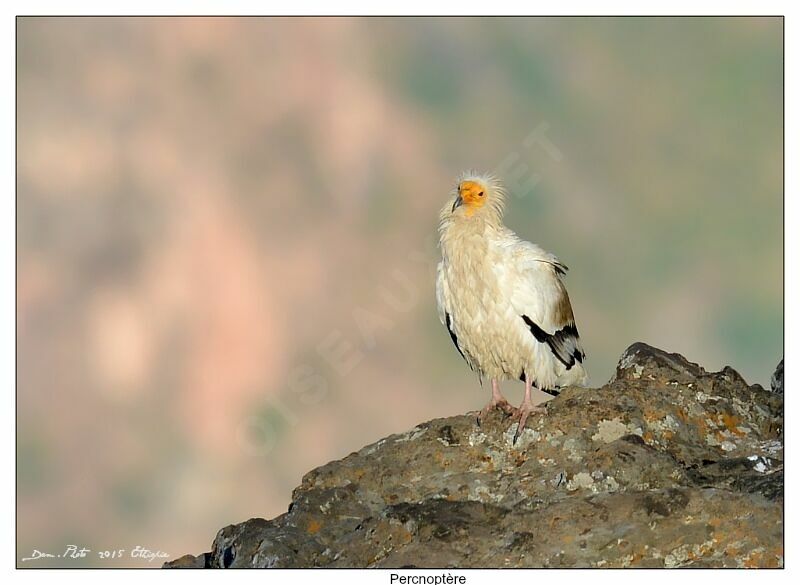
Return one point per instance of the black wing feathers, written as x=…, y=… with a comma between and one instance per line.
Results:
x=453, y=335
x=563, y=343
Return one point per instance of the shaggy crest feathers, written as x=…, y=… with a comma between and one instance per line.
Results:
x=496, y=196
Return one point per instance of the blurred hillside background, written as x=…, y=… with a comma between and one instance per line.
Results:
x=226, y=236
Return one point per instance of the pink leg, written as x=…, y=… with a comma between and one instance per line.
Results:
x=526, y=408
x=498, y=401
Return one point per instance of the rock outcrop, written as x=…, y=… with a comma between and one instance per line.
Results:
x=776, y=382
x=667, y=465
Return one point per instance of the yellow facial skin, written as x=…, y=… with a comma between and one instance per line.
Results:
x=473, y=196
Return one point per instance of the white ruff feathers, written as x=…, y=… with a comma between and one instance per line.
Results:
x=502, y=298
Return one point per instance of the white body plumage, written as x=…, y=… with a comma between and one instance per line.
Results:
x=503, y=299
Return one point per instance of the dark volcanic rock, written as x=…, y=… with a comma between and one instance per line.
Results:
x=776, y=383
x=202, y=561
x=667, y=465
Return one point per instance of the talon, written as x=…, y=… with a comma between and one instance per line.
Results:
x=525, y=409
x=498, y=402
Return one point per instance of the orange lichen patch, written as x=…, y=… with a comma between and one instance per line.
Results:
x=668, y=435
x=488, y=461
x=652, y=415
x=441, y=459
x=731, y=423
x=637, y=556
x=732, y=551
x=754, y=560
x=567, y=538
x=777, y=556
x=701, y=425
x=313, y=526
x=760, y=558
x=648, y=437
x=734, y=537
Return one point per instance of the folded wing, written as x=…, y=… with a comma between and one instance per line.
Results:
x=539, y=297
x=442, y=305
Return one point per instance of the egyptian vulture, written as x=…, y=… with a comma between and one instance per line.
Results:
x=503, y=300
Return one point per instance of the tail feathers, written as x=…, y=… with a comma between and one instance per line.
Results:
x=564, y=343
x=575, y=376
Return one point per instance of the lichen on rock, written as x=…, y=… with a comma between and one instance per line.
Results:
x=667, y=465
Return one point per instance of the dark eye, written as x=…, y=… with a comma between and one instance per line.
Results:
x=480, y=194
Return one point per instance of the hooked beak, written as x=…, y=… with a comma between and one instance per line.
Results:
x=458, y=202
